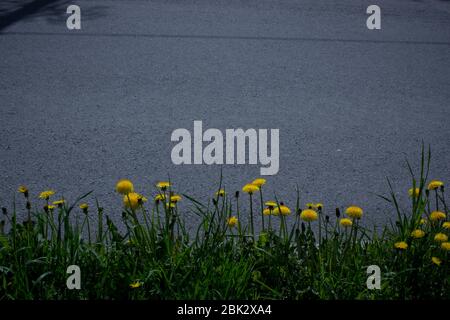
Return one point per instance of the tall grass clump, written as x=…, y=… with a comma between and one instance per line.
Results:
x=303, y=251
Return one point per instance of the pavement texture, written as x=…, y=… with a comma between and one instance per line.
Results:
x=81, y=109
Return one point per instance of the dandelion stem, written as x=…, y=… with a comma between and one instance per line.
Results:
x=238, y=217
x=437, y=202
x=262, y=207
x=320, y=225
x=270, y=219
x=252, y=228
x=88, y=230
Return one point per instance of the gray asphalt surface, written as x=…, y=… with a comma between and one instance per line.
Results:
x=82, y=109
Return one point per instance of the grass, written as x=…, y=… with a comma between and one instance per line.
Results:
x=158, y=258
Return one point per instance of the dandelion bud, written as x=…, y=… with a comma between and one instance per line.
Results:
x=281, y=204
x=442, y=188
x=427, y=192
x=124, y=215
x=327, y=218
x=28, y=205
x=4, y=211
x=214, y=201
x=237, y=194
x=338, y=212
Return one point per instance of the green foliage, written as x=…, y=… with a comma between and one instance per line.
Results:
x=286, y=260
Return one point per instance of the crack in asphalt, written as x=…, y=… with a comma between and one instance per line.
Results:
x=218, y=37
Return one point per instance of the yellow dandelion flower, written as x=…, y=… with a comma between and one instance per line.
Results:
x=141, y=198
x=437, y=215
x=308, y=215
x=282, y=209
x=423, y=221
x=135, y=285
x=445, y=246
x=232, y=221
x=250, y=188
x=434, y=184
x=46, y=194
x=221, y=193
x=59, y=202
x=160, y=197
x=22, y=189
x=170, y=205
x=50, y=207
x=414, y=192
x=271, y=204
x=267, y=211
x=440, y=237
x=417, y=234
x=84, y=207
x=346, y=222
x=163, y=185
x=402, y=245
x=436, y=261
x=133, y=200
x=124, y=186
x=259, y=182
x=319, y=206
x=446, y=225
x=354, y=212
x=175, y=198
x=310, y=205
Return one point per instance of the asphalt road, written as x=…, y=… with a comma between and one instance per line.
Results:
x=81, y=109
